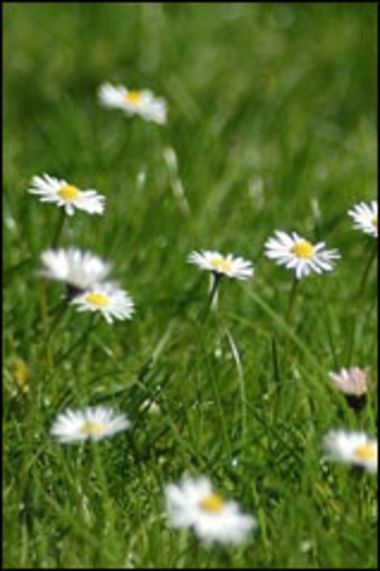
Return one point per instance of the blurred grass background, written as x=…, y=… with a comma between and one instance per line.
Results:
x=272, y=115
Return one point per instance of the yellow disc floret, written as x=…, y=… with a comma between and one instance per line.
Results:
x=92, y=428
x=303, y=249
x=221, y=265
x=365, y=452
x=212, y=503
x=133, y=97
x=96, y=298
x=69, y=192
x=374, y=221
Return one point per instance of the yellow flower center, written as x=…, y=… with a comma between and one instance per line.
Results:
x=374, y=221
x=365, y=452
x=92, y=428
x=221, y=264
x=69, y=192
x=98, y=299
x=133, y=97
x=303, y=249
x=212, y=503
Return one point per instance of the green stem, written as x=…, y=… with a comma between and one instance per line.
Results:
x=59, y=227
x=367, y=269
x=292, y=298
x=213, y=299
x=213, y=295
x=49, y=334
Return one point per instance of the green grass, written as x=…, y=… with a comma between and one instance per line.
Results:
x=272, y=113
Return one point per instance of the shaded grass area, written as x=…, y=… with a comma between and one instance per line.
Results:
x=272, y=116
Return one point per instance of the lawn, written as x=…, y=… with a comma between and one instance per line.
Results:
x=272, y=119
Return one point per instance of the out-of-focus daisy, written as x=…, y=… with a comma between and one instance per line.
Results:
x=93, y=423
x=300, y=255
x=78, y=270
x=221, y=265
x=353, y=384
x=352, y=448
x=365, y=217
x=142, y=102
x=194, y=504
x=70, y=197
x=107, y=299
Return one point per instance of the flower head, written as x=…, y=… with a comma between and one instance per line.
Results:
x=194, y=504
x=107, y=299
x=300, y=255
x=365, y=217
x=352, y=381
x=352, y=448
x=66, y=195
x=133, y=102
x=78, y=270
x=219, y=264
x=89, y=424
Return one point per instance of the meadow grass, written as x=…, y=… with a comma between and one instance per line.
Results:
x=272, y=113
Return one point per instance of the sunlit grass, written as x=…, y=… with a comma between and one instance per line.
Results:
x=272, y=113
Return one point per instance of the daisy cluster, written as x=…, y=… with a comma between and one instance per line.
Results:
x=192, y=502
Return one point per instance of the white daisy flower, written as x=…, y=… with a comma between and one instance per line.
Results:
x=300, y=255
x=107, y=299
x=193, y=503
x=133, y=102
x=70, y=197
x=352, y=381
x=221, y=265
x=365, y=217
x=78, y=270
x=352, y=448
x=89, y=424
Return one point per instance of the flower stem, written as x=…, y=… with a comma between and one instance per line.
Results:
x=214, y=283
x=291, y=304
x=367, y=268
x=59, y=227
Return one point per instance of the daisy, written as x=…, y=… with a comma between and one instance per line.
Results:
x=300, y=255
x=70, y=197
x=352, y=448
x=221, y=265
x=133, y=102
x=78, y=270
x=89, y=424
x=194, y=504
x=352, y=383
x=365, y=217
x=107, y=299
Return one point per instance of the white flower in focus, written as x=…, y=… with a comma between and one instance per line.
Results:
x=89, y=424
x=133, y=102
x=365, y=217
x=107, y=299
x=300, y=255
x=192, y=503
x=352, y=381
x=221, y=265
x=68, y=196
x=77, y=269
x=351, y=448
